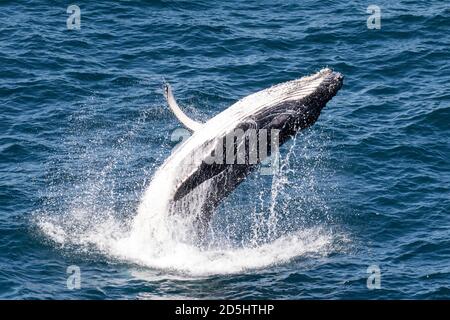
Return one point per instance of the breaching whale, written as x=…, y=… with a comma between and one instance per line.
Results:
x=220, y=153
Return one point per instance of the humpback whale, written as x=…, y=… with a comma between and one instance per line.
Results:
x=206, y=167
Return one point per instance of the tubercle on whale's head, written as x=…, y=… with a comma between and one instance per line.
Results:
x=321, y=88
x=326, y=82
x=333, y=81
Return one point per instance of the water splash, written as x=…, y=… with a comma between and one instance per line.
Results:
x=236, y=242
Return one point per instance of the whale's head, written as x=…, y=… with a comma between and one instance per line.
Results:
x=295, y=105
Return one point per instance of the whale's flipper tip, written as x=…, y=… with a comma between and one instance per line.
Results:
x=184, y=119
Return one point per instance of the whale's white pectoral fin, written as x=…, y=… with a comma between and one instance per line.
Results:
x=184, y=119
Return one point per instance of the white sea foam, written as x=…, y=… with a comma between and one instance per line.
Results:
x=170, y=254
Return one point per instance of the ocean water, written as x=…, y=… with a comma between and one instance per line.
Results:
x=362, y=196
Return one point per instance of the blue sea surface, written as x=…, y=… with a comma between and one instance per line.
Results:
x=360, y=209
